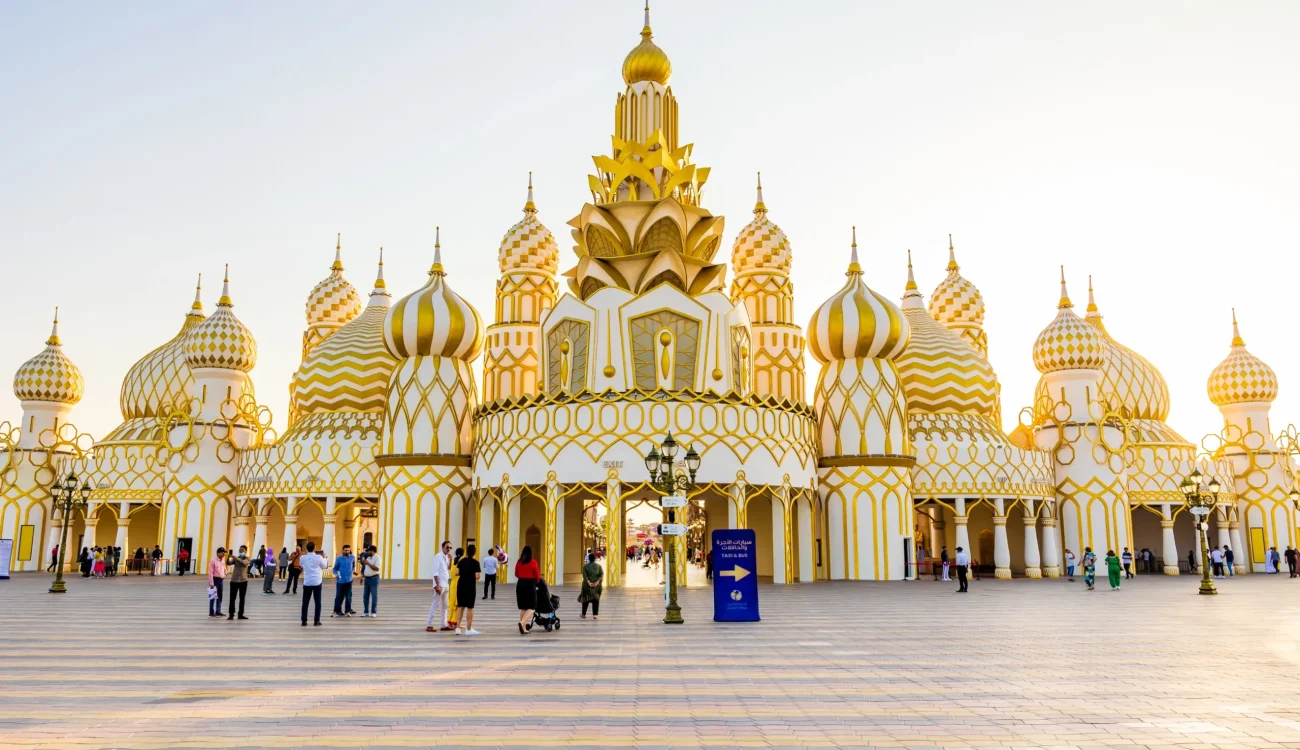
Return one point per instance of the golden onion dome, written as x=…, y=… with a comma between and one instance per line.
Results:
x=1140, y=389
x=50, y=375
x=940, y=371
x=856, y=322
x=162, y=377
x=1068, y=342
x=349, y=371
x=761, y=246
x=221, y=341
x=956, y=301
x=529, y=245
x=1241, y=377
x=433, y=320
x=334, y=301
x=646, y=62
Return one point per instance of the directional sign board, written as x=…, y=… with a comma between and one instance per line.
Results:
x=673, y=529
x=735, y=578
x=673, y=501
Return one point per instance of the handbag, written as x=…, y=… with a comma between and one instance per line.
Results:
x=212, y=593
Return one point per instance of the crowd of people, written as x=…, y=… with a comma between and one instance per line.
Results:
x=106, y=562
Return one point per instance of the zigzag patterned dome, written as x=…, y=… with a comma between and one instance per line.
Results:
x=856, y=322
x=1141, y=390
x=761, y=246
x=940, y=371
x=162, y=377
x=50, y=375
x=529, y=245
x=1068, y=342
x=333, y=301
x=349, y=371
x=1241, y=377
x=433, y=320
x=221, y=341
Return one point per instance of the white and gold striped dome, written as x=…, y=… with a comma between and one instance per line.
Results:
x=334, y=301
x=221, y=341
x=50, y=375
x=434, y=320
x=1141, y=390
x=162, y=377
x=761, y=246
x=529, y=245
x=856, y=322
x=940, y=371
x=349, y=371
x=1068, y=342
x=1241, y=377
x=955, y=300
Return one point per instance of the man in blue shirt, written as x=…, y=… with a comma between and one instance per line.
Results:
x=344, y=565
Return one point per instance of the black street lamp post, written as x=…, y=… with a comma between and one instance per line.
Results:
x=659, y=462
x=67, y=498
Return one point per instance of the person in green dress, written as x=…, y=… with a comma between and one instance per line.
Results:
x=1089, y=568
x=1112, y=569
x=593, y=579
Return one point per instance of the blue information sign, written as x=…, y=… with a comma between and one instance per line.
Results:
x=735, y=575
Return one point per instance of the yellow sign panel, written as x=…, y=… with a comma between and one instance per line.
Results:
x=26, y=533
x=1257, y=546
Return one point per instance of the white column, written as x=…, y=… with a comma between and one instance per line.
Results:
x=806, y=562
x=486, y=515
x=1240, y=557
x=514, y=537
x=1001, y=549
x=778, y=540
x=961, y=536
x=1051, y=550
x=737, y=491
x=259, y=533
x=1169, y=551
x=55, y=534
x=558, y=535
x=290, y=526
x=240, y=535
x=123, y=524
x=1033, y=563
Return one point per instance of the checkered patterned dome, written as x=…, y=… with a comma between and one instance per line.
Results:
x=1241, y=377
x=334, y=301
x=956, y=300
x=529, y=245
x=760, y=246
x=221, y=340
x=50, y=375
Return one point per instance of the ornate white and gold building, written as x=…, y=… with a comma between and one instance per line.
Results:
x=399, y=435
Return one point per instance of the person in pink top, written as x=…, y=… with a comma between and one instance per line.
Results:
x=216, y=575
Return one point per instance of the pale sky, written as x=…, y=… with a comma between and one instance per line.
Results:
x=1153, y=145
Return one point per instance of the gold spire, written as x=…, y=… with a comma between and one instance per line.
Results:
x=338, y=253
x=436, y=268
x=225, y=290
x=1236, y=334
x=759, y=206
x=1092, y=303
x=529, y=206
x=646, y=62
x=911, y=280
x=952, y=256
x=379, y=275
x=854, y=268
x=645, y=30
x=1065, y=297
x=53, y=340
x=196, y=309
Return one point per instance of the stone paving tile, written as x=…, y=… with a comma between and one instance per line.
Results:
x=134, y=663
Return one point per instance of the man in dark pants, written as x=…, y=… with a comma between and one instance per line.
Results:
x=313, y=565
x=216, y=574
x=344, y=565
x=239, y=582
x=963, y=564
x=1290, y=559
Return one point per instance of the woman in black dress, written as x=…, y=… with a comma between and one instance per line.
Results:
x=526, y=575
x=467, y=573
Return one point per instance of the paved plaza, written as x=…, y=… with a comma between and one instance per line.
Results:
x=134, y=662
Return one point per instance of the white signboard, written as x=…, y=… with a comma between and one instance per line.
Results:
x=673, y=501
x=6, y=551
x=673, y=529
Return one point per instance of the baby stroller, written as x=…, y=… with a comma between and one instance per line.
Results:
x=547, y=604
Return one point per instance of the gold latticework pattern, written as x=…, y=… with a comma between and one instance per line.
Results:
x=966, y=455
x=861, y=409
x=221, y=341
x=349, y=371
x=871, y=509
x=160, y=377
x=525, y=297
x=1139, y=388
x=49, y=376
x=428, y=407
x=768, y=298
x=567, y=346
x=942, y=373
x=322, y=454
x=646, y=359
x=1157, y=461
x=414, y=510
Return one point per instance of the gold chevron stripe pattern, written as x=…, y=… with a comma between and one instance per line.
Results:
x=349, y=371
x=160, y=378
x=433, y=321
x=942, y=373
x=856, y=322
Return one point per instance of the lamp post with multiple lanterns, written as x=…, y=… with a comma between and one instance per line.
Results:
x=1200, y=503
x=67, y=498
x=659, y=462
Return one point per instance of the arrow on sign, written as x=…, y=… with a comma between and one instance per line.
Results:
x=738, y=573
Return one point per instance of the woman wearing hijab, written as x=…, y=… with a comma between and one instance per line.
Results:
x=593, y=578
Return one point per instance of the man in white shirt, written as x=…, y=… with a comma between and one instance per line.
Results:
x=963, y=564
x=441, y=589
x=313, y=566
x=369, y=581
x=490, y=565
x=1216, y=562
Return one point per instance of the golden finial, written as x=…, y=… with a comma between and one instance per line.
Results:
x=338, y=253
x=53, y=340
x=759, y=206
x=529, y=206
x=225, y=290
x=1092, y=302
x=197, y=307
x=911, y=280
x=1236, y=334
x=854, y=268
x=645, y=30
x=952, y=256
x=436, y=268
x=1065, y=297
x=379, y=276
